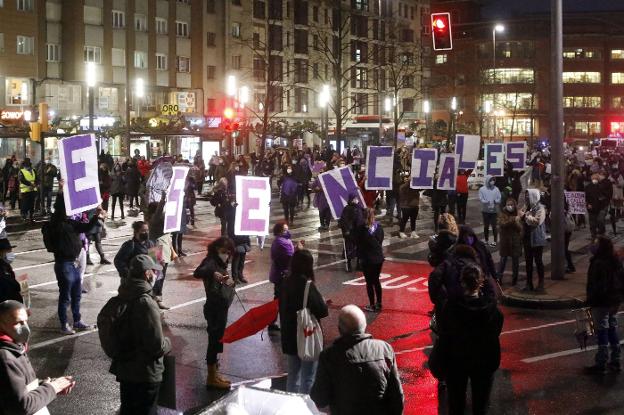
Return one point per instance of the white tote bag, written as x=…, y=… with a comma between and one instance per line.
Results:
x=309, y=333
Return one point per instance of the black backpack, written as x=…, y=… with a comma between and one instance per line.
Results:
x=113, y=324
x=48, y=232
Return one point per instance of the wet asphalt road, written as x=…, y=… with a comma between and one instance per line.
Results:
x=541, y=370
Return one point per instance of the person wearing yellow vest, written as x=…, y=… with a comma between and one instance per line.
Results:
x=28, y=189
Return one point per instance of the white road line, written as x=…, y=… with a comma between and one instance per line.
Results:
x=562, y=353
x=90, y=274
x=329, y=265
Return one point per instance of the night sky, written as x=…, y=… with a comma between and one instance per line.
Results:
x=508, y=8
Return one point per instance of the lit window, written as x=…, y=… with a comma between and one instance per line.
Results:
x=512, y=100
x=161, y=26
x=25, y=45
x=509, y=125
x=161, y=62
x=508, y=76
x=24, y=5
x=582, y=53
x=587, y=127
x=582, y=102
x=140, y=59
x=93, y=54
x=617, y=102
x=617, y=54
x=183, y=64
x=182, y=29
x=17, y=91
x=236, y=30
x=53, y=52
x=617, y=78
x=119, y=19
x=581, y=77
x=440, y=59
x=140, y=23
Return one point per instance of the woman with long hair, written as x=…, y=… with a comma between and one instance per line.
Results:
x=282, y=250
x=369, y=245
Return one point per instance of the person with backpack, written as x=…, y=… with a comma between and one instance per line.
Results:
x=350, y=220
x=220, y=290
x=131, y=334
x=62, y=237
x=139, y=244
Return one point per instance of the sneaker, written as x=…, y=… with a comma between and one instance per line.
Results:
x=81, y=326
x=181, y=254
x=414, y=235
x=89, y=262
x=378, y=307
x=402, y=235
x=104, y=261
x=67, y=330
x=370, y=308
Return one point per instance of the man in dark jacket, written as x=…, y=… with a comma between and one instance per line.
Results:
x=9, y=287
x=598, y=196
x=49, y=172
x=66, y=251
x=350, y=220
x=139, y=244
x=20, y=390
x=357, y=374
x=139, y=370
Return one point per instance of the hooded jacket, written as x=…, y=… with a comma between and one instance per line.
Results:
x=490, y=196
x=533, y=220
x=20, y=391
x=282, y=250
x=510, y=226
x=605, y=282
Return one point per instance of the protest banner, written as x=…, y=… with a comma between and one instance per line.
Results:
x=79, y=168
x=424, y=161
x=494, y=159
x=379, y=162
x=253, y=210
x=467, y=147
x=576, y=202
x=337, y=185
x=447, y=177
x=175, y=199
x=516, y=153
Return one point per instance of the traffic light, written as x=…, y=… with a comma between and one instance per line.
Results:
x=441, y=31
x=43, y=117
x=35, y=131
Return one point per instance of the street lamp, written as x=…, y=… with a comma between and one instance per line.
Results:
x=500, y=29
x=454, y=104
x=387, y=104
x=427, y=111
x=324, y=104
x=91, y=79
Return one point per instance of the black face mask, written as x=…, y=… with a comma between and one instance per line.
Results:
x=143, y=236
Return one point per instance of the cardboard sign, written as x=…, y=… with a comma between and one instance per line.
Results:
x=424, y=161
x=447, y=175
x=175, y=199
x=515, y=153
x=576, y=203
x=79, y=169
x=379, y=161
x=467, y=147
x=337, y=185
x=494, y=159
x=253, y=210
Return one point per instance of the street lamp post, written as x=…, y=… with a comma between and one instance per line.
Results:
x=230, y=89
x=500, y=29
x=451, y=127
x=91, y=81
x=324, y=104
x=427, y=111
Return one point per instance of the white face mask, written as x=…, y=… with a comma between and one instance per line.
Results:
x=289, y=171
x=510, y=208
x=595, y=181
x=224, y=257
x=9, y=257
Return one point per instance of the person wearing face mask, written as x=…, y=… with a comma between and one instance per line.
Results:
x=534, y=238
x=369, y=239
x=140, y=244
x=598, y=196
x=139, y=369
x=289, y=190
x=9, y=287
x=510, y=226
x=105, y=181
x=220, y=290
x=490, y=198
x=617, y=200
x=467, y=236
x=20, y=390
x=282, y=250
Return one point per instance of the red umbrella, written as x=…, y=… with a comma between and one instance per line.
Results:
x=251, y=322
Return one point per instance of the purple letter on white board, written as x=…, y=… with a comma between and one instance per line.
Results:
x=175, y=199
x=253, y=210
x=337, y=185
x=79, y=169
x=447, y=178
x=467, y=146
x=516, y=154
x=494, y=159
x=379, y=162
x=424, y=162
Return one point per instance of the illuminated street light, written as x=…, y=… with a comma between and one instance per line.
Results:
x=324, y=96
x=230, y=86
x=487, y=107
x=499, y=28
x=387, y=104
x=454, y=104
x=90, y=74
x=140, y=88
x=426, y=106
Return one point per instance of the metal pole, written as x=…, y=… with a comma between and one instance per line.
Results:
x=556, y=142
x=91, y=111
x=380, y=106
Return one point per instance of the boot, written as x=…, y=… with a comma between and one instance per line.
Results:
x=349, y=269
x=214, y=380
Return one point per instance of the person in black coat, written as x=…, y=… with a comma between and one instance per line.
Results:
x=300, y=374
x=9, y=287
x=469, y=346
x=369, y=241
x=350, y=220
x=467, y=236
x=605, y=285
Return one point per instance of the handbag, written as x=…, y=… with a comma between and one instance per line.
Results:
x=309, y=333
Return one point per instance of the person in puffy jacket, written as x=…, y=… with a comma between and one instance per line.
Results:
x=605, y=285
x=490, y=198
x=534, y=237
x=443, y=241
x=220, y=289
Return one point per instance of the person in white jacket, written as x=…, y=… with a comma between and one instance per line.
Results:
x=490, y=198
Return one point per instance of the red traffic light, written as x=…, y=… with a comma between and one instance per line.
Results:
x=441, y=31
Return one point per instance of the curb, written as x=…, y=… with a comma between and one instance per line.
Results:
x=541, y=304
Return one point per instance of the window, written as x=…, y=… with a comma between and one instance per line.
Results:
x=210, y=6
x=617, y=78
x=140, y=59
x=360, y=103
x=301, y=100
x=161, y=62
x=258, y=69
x=440, y=59
x=359, y=78
x=617, y=102
x=408, y=81
x=236, y=2
x=182, y=29
x=582, y=102
x=512, y=100
x=276, y=68
x=315, y=71
x=315, y=13
x=581, y=77
x=161, y=26
x=1, y=42
x=17, y=91
x=140, y=23
x=408, y=105
x=53, y=52
x=275, y=9
x=275, y=37
x=508, y=76
x=617, y=54
x=236, y=62
x=259, y=9
x=360, y=5
x=359, y=51
x=211, y=72
x=301, y=41
x=587, y=127
x=236, y=30
x=119, y=19
x=24, y=5
x=301, y=71
x=211, y=39
x=25, y=45
x=520, y=126
x=183, y=64
x=582, y=53
x=107, y=98
x=119, y=57
x=301, y=13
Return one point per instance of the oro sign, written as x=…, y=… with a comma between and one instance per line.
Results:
x=170, y=109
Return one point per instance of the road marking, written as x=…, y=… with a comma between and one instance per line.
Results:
x=562, y=353
x=329, y=265
x=90, y=274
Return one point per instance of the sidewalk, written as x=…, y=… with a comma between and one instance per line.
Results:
x=561, y=294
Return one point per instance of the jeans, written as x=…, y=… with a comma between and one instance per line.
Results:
x=515, y=267
x=605, y=321
x=597, y=222
x=462, y=201
x=412, y=215
x=70, y=290
x=489, y=219
x=300, y=375
x=158, y=285
x=457, y=384
x=373, y=285
x=530, y=254
x=138, y=398
x=238, y=264
x=120, y=197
